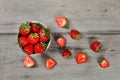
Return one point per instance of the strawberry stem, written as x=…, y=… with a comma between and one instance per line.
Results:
x=100, y=59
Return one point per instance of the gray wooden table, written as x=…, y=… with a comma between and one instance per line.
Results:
x=93, y=18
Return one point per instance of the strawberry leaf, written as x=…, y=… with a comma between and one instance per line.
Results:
x=46, y=31
x=25, y=26
x=44, y=45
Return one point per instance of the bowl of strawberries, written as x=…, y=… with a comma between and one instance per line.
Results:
x=34, y=37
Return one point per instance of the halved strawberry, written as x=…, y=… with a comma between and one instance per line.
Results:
x=23, y=41
x=28, y=62
x=39, y=48
x=66, y=53
x=44, y=34
x=62, y=21
x=61, y=41
x=34, y=27
x=95, y=46
x=81, y=57
x=75, y=34
x=103, y=63
x=50, y=63
x=33, y=38
x=24, y=29
x=28, y=49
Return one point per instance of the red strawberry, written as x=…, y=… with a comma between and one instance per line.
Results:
x=50, y=63
x=81, y=58
x=28, y=62
x=95, y=46
x=39, y=48
x=62, y=21
x=61, y=41
x=33, y=38
x=35, y=28
x=23, y=41
x=103, y=63
x=66, y=53
x=75, y=34
x=24, y=29
x=44, y=34
x=28, y=49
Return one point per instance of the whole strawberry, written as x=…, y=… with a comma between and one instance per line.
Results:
x=39, y=48
x=28, y=49
x=24, y=29
x=28, y=62
x=75, y=34
x=66, y=53
x=81, y=57
x=44, y=34
x=61, y=41
x=95, y=46
x=62, y=21
x=33, y=38
x=34, y=27
x=23, y=41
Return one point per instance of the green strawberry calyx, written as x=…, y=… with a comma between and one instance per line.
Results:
x=77, y=36
x=44, y=45
x=25, y=26
x=34, y=35
x=46, y=31
x=85, y=54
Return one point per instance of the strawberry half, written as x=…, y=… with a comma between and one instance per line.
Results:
x=75, y=34
x=28, y=62
x=95, y=46
x=103, y=63
x=28, y=49
x=50, y=63
x=34, y=27
x=23, y=41
x=24, y=29
x=33, y=38
x=39, y=48
x=62, y=21
x=61, y=41
x=81, y=57
x=44, y=34
x=66, y=53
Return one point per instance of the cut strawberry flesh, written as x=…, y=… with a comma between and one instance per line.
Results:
x=104, y=64
x=50, y=63
x=81, y=58
x=29, y=62
x=61, y=21
x=61, y=42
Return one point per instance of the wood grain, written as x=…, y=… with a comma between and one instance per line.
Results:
x=93, y=18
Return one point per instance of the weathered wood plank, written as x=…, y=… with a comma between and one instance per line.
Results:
x=11, y=58
x=94, y=18
x=82, y=15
